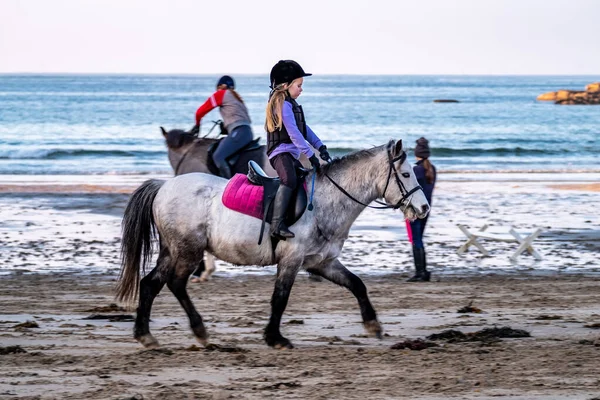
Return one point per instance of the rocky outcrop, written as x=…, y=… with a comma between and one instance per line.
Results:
x=445, y=101
x=591, y=95
x=593, y=87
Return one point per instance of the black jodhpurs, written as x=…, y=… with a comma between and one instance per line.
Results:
x=238, y=138
x=286, y=165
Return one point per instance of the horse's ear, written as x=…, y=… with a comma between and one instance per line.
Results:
x=398, y=148
x=163, y=132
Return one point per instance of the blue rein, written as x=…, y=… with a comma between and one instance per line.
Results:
x=312, y=191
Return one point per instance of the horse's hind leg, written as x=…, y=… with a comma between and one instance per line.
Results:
x=150, y=286
x=286, y=274
x=177, y=284
x=337, y=273
x=209, y=268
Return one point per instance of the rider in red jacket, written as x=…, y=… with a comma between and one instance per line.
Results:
x=235, y=119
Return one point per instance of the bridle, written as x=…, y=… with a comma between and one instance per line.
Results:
x=392, y=169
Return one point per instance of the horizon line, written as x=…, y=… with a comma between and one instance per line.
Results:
x=265, y=74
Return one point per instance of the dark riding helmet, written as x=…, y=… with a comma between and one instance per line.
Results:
x=285, y=71
x=226, y=80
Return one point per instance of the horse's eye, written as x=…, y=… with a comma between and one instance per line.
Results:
x=406, y=174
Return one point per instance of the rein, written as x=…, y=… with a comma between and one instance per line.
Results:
x=185, y=153
x=405, y=193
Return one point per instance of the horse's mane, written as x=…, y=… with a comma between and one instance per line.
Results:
x=353, y=157
x=178, y=137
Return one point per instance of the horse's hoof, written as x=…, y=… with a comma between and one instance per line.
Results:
x=148, y=341
x=283, y=346
x=374, y=328
x=204, y=277
x=279, y=343
x=201, y=334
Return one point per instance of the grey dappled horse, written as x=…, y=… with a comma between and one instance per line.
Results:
x=189, y=153
x=190, y=219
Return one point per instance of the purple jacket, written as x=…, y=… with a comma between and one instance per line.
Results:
x=298, y=144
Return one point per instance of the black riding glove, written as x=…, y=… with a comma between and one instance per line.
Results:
x=195, y=130
x=315, y=162
x=325, y=154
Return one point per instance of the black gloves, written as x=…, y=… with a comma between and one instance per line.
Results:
x=195, y=130
x=324, y=154
x=315, y=162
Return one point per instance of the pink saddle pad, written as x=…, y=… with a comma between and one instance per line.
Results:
x=242, y=196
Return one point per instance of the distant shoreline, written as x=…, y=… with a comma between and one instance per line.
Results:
x=125, y=184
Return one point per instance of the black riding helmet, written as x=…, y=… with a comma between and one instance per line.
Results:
x=226, y=80
x=285, y=71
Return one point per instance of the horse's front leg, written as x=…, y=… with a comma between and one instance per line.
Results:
x=336, y=272
x=286, y=274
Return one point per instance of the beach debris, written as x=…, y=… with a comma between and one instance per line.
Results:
x=11, y=350
x=589, y=96
x=282, y=385
x=416, y=344
x=112, y=307
x=451, y=335
x=134, y=397
x=26, y=325
x=484, y=335
x=469, y=309
x=222, y=349
x=157, y=350
x=112, y=318
x=546, y=317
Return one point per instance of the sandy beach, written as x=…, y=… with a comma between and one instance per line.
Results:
x=60, y=261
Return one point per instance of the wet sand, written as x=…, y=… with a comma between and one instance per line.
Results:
x=70, y=357
x=60, y=258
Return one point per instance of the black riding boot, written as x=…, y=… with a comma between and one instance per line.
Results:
x=422, y=275
x=280, y=205
x=225, y=171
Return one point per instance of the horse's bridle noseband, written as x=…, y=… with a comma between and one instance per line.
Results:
x=405, y=193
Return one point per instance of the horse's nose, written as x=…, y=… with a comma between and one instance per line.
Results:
x=424, y=209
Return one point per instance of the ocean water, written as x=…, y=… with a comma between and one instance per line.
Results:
x=109, y=124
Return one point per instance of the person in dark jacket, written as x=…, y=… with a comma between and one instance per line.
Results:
x=426, y=175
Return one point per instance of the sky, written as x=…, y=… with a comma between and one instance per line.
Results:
x=473, y=37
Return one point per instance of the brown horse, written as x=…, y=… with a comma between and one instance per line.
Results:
x=190, y=153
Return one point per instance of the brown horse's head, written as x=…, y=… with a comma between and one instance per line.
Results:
x=177, y=138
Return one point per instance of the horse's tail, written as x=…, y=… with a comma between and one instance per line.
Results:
x=136, y=244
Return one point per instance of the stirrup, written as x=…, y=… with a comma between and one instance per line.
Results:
x=282, y=233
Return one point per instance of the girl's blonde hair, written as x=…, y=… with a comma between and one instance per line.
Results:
x=274, y=120
x=235, y=94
